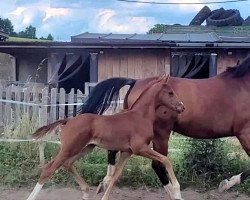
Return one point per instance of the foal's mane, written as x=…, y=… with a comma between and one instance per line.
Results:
x=145, y=90
x=240, y=69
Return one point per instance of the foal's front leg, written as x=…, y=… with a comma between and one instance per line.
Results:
x=174, y=186
x=110, y=172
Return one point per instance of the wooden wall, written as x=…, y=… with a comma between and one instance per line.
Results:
x=133, y=63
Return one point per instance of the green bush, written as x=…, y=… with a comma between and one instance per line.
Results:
x=207, y=162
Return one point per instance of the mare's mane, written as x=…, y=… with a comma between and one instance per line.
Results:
x=240, y=69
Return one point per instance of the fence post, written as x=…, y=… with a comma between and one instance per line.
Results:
x=53, y=109
x=62, y=101
x=41, y=146
x=71, y=101
x=1, y=108
x=43, y=120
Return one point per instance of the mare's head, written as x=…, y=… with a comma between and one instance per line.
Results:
x=167, y=97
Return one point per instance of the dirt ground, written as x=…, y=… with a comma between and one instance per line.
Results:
x=117, y=194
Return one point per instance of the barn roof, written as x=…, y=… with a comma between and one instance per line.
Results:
x=146, y=38
x=173, y=33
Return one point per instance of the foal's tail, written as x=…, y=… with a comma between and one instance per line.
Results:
x=41, y=132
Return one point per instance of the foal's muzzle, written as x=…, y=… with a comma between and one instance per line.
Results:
x=180, y=108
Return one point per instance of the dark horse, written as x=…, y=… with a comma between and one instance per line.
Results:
x=215, y=107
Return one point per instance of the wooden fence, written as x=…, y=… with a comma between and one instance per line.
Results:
x=36, y=105
x=47, y=104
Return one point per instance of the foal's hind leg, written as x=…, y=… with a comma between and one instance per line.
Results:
x=240, y=178
x=71, y=168
x=47, y=172
x=119, y=167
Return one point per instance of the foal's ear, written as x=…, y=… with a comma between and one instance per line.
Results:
x=166, y=78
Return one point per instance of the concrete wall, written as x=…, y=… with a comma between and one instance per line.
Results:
x=7, y=67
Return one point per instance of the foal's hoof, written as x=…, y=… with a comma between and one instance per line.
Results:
x=100, y=188
x=223, y=186
x=86, y=197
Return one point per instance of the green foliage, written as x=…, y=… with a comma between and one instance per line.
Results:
x=158, y=28
x=50, y=37
x=196, y=163
x=30, y=32
x=207, y=162
x=6, y=26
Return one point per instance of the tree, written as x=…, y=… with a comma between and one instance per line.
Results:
x=6, y=26
x=30, y=32
x=43, y=38
x=158, y=28
x=50, y=37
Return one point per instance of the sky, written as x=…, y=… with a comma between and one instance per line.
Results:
x=65, y=18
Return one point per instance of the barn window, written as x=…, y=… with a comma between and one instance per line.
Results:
x=193, y=65
x=74, y=70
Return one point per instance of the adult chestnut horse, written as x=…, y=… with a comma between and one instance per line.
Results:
x=215, y=107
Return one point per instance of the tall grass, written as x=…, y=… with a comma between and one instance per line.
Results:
x=195, y=163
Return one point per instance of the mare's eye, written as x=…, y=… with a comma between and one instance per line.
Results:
x=171, y=93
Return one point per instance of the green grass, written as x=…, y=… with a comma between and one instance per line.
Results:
x=19, y=163
x=19, y=167
x=18, y=39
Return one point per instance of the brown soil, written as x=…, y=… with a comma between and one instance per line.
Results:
x=117, y=194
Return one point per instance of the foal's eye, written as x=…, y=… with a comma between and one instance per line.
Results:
x=171, y=93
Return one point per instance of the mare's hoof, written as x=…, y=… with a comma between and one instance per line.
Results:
x=223, y=186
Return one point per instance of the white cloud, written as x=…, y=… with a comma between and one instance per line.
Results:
x=18, y=11
x=189, y=8
x=64, y=18
x=55, y=12
x=108, y=20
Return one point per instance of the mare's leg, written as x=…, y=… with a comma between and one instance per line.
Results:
x=119, y=167
x=244, y=139
x=110, y=172
x=71, y=168
x=47, y=172
x=173, y=187
x=160, y=144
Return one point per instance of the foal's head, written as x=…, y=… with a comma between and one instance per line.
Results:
x=168, y=98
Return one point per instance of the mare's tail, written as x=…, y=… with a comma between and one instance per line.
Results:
x=41, y=132
x=104, y=94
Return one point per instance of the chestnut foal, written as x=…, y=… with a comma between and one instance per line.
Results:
x=129, y=132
